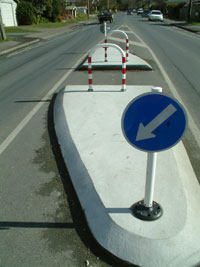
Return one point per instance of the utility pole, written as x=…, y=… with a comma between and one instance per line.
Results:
x=3, y=34
x=189, y=10
x=88, y=11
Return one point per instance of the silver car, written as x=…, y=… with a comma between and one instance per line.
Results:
x=155, y=15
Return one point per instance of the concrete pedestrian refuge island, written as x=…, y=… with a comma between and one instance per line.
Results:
x=109, y=177
x=114, y=61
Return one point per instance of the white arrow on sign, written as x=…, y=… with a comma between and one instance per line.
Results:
x=145, y=132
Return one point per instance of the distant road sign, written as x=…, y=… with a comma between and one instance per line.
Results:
x=154, y=122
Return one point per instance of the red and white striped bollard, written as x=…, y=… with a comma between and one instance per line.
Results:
x=127, y=49
x=123, y=74
x=90, y=81
x=106, y=48
x=90, y=74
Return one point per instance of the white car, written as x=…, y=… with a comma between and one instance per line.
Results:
x=140, y=11
x=155, y=15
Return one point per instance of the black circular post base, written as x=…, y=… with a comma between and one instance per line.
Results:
x=147, y=213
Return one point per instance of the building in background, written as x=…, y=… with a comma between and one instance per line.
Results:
x=8, y=12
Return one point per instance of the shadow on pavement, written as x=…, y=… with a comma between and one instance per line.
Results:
x=78, y=217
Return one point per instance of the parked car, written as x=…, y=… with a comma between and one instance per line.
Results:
x=140, y=11
x=129, y=12
x=105, y=15
x=145, y=13
x=155, y=15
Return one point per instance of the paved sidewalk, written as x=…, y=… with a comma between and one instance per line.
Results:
x=38, y=34
x=184, y=25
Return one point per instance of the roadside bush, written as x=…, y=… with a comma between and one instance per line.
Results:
x=155, y=6
x=48, y=10
x=56, y=10
x=81, y=16
x=174, y=9
x=42, y=20
x=25, y=13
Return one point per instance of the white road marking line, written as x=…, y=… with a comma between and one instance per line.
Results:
x=30, y=115
x=130, y=42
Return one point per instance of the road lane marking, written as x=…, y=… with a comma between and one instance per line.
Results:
x=130, y=42
x=30, y=115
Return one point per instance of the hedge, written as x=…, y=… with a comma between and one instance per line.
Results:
x=25, y=13
x=174, y=8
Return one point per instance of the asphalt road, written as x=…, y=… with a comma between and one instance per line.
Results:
x=41, y=222
x=177, y=51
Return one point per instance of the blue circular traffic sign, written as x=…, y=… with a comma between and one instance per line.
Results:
x=154, y=122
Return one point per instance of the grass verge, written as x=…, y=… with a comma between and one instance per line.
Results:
x=7, y=39
x=80, y=17
x=196, y=23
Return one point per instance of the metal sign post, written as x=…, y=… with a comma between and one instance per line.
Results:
x=149, y=209
x=105, y=29
x=105, y=41
x=150, y=179
x=152, y=122
x=151, y=170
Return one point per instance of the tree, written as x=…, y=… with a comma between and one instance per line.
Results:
x=57, y=9
x=49, y=9
x=41, y=10
x=25, y=13
x=106, y=4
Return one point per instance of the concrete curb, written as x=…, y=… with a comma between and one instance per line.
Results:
x=115, y=62
x=106, y=173
x=18, y=47
x=189, y=27
x=48, y=36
